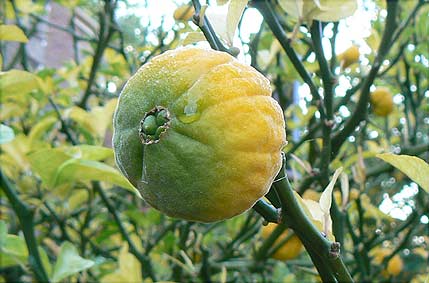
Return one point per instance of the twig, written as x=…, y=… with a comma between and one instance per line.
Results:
x=25, y=216
x=361, y=109
x=270, y=17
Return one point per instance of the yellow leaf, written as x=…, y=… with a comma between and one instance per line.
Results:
x=193, y=37
x=17, y=82
x=102, y=117
x=129, y=269
x=415, y=168
x=12, y=33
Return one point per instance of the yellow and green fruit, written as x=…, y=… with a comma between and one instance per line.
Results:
x=198, y=133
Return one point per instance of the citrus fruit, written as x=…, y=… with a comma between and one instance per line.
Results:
x=381, y=101
x=290, y=249
x=348, y=57
x=395, y=266
x=198, y=134
x=184, y=13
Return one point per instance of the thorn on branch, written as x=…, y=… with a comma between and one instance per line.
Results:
x=334, y=251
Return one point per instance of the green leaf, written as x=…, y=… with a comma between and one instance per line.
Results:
x=79, y=163
x=86, y=170
x=42, y=127
x=90, y=152
x=3, y=232
x=12, y=33
x=17, y=82
x=415, y=168
x=13, y=250
x=69, y=262
x=45, y=261
x=6, y=134
x=46, y=162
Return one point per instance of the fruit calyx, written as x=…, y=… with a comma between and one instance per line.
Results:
x=154, y=125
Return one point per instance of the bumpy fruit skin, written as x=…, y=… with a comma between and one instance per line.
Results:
x=348, y=57
x=381, y=101
x=222, y=148
x=184, y=13
x=290, y=249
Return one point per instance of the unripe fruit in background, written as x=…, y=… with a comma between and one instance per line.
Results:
x=349, y=57
x=198, y=134
x=381, y=101
x=290, y=249
x=184, y=13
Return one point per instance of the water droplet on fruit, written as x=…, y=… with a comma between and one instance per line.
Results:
x=190, y=112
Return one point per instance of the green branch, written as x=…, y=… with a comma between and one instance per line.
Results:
x=146, y=264
x=25, y=216
x=361, y=109
x=271, y=18
x=105, y=33
x=266, y=210
x=325, y=254
x=207, y=28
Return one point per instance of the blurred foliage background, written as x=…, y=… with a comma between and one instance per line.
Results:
x=67, y=215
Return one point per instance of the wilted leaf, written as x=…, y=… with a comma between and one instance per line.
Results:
x=314, y=212
x=17, y=82
x=345, y=189
x=322, y=10
x=12, y=33
x=6, y=134
x=69, y=262
x=415, y=168
x=235, y=11
x=335, y=10
x=326, y=197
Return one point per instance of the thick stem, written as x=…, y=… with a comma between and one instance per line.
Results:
x=323, y=252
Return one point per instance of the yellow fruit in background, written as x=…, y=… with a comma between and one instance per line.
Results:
x=290, y=249
x=184, y=13
x=198, y=133
x=395, y=265
x=381, y=101
x=349, y=57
